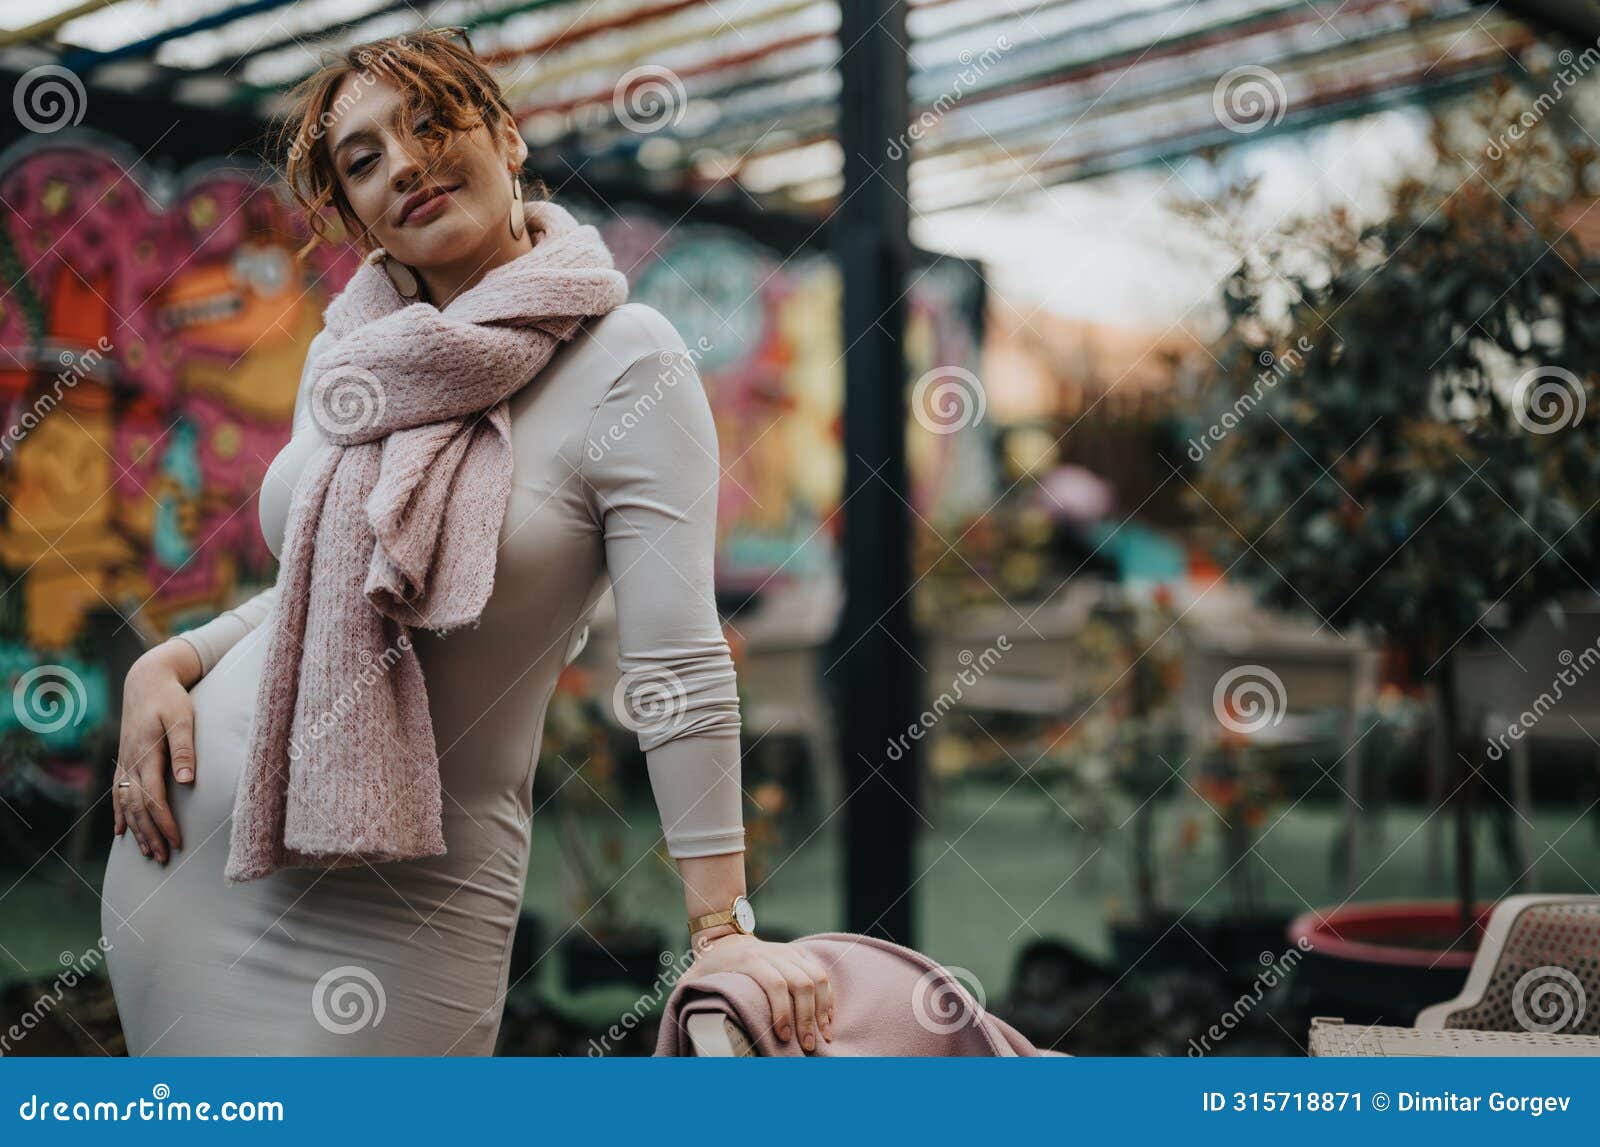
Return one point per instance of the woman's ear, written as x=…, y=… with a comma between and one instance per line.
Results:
x=516, y=146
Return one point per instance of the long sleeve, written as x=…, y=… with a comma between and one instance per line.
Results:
x=215, y=637
x=212, y=639
x=650, y=470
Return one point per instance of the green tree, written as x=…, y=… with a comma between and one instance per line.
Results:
x=1406, y=432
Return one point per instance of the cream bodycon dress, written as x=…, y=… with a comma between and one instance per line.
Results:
x=615, y=476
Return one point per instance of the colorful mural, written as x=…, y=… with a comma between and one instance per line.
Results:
x=766, y=331
x=150, y=345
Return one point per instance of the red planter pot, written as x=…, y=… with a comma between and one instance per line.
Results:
x=1381, y=962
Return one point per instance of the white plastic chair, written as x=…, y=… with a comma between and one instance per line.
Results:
x=1317, y=671
x=1537, y=970
x=1518, y=675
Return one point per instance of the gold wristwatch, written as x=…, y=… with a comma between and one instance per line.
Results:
x=740, y=914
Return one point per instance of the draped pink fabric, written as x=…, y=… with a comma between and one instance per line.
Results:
x=890, y=1001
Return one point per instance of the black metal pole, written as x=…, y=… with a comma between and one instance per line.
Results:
x=874, y=675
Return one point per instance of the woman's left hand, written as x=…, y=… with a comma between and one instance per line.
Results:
x=795, y=981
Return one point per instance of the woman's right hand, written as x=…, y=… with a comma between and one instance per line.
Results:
x=157, y=731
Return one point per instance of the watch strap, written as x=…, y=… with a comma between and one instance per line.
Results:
x=710, y=920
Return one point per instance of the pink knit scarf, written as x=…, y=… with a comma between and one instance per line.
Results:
x=395, y=524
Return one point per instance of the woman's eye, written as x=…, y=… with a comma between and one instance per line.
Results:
x=359, y=165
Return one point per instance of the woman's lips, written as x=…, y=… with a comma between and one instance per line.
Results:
x=428, y=208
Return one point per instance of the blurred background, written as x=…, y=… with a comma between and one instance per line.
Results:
x=1157, y=535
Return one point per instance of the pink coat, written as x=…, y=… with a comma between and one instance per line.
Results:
x=890, y=1001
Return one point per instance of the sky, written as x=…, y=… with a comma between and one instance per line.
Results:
x=1112, y=250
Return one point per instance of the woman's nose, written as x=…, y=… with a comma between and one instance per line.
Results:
x=405, y=167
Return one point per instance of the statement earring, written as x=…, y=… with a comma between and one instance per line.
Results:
x=519, y=219
x=402, y=276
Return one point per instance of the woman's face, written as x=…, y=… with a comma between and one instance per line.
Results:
x=382, y=165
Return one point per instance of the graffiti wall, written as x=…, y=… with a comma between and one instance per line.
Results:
x=151, y=337
x=766, y=328
x=152, y=332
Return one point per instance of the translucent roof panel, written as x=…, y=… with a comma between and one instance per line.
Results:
x=741, y=96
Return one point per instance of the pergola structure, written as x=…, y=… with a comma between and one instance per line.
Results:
x=743, y=97
x=837, y=118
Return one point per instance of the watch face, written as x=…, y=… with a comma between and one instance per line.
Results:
x=744, y=916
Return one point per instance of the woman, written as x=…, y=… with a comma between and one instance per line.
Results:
x=352, y=750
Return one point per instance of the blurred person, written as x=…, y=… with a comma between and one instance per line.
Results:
x=485, y=432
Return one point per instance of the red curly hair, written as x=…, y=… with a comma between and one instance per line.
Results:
x=436, y=70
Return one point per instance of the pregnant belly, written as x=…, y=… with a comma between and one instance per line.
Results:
x=224, y=703
x=206, y=968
